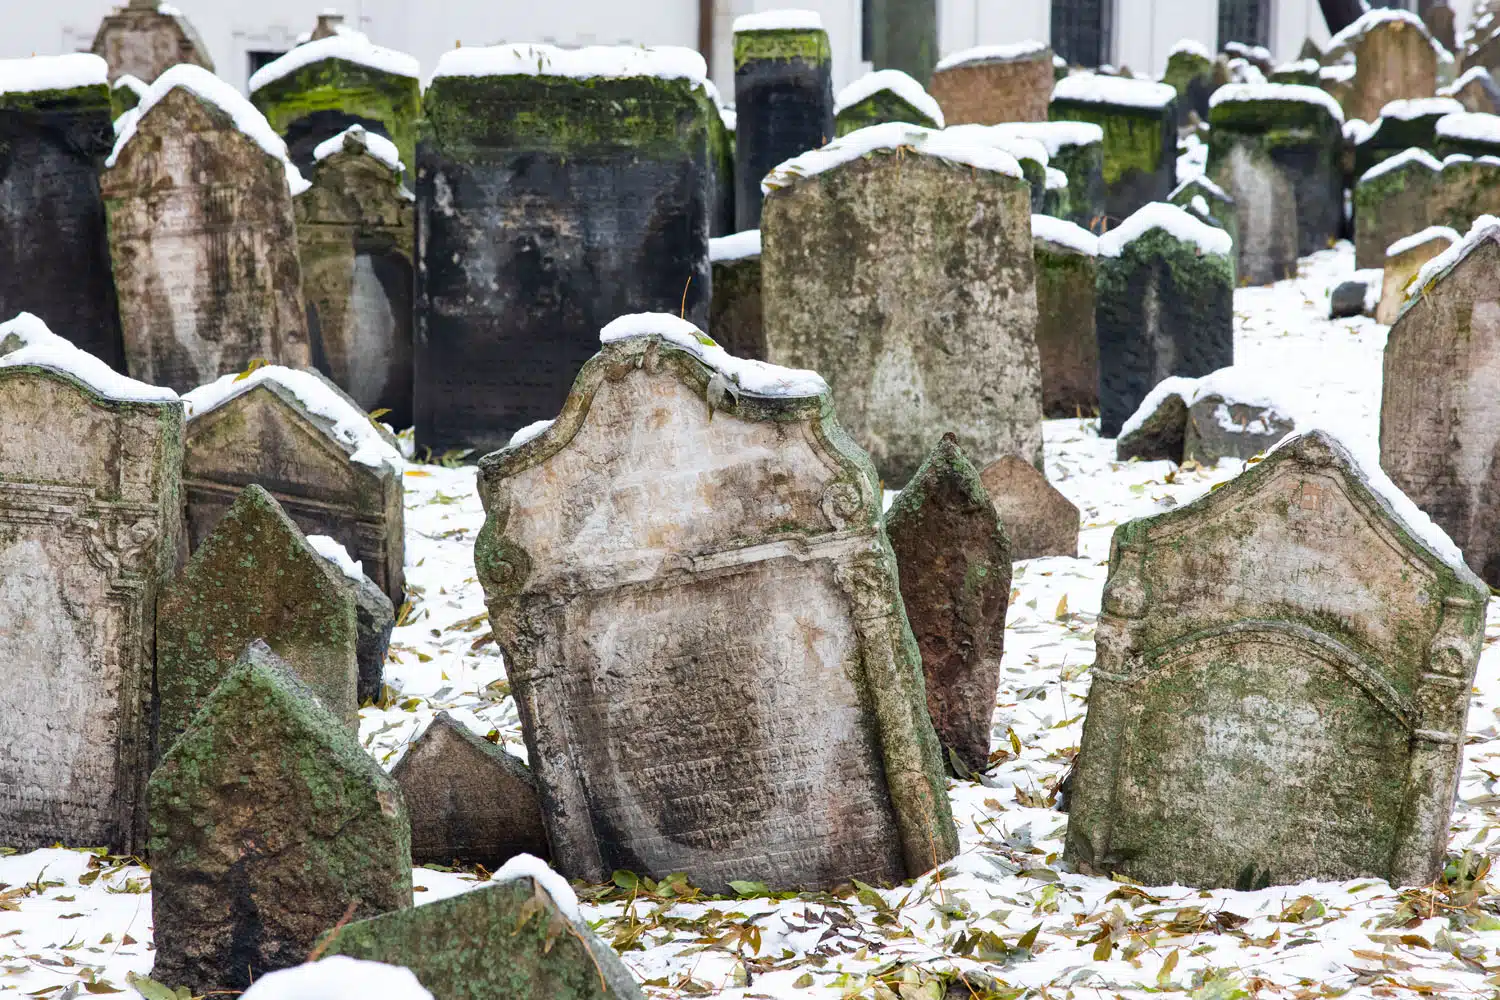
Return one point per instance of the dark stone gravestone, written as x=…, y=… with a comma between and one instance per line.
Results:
x=736, y=318
x=1139, y=119
x=1076, y=149
x=1402, y=125
x=1190, y=72
x=884, y=95
x=374, y=616
x=1066, y=273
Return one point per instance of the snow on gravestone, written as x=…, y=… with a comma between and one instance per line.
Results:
x=725, y=557
x=1038, y=519
x=1076, y=150
x=338, y=978
x=1412, y=191
x=1207, y=202
x=1190, y=72
x=783, y=96
x=374, y=616
x=355, y=231
x=1281, y=686
x=1165, y=306
x=995, y=83
x=199, y=192
x=884, y=95
x=269, y=825
x=255, y=577
x=146, y=38
x=1139, y=118
x=89, y=527
x=897, y=263
x=55, y=130
x=1403, y=125
x=1231, y=413
x=736, y=318
x=318, y=454
x=556, y=190
x=1066, y=271
x=1467, y=133
x=1394, y=58
x=1404, y=260
x=1475, y=90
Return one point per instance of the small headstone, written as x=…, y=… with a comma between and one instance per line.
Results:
x=374, y=616
x=1394, y=59
x=762, y=570
x=1190, y=72
x=1234, y=413
x=736, y=318
x=146, y=38
x=1403, y=260
x=1038, y=519
x=1158, y=428
x=1282, y=678
x=1402, y=125
x=338, y=978
x=1066, y=272
x=1076, y=150
x=995, y=83
x=1207, y=202
x=1139, y=118
x=1304, y=72
x=269, y=825
x=954, y=562
x=1348, y=299
x=1468, y=132
x=469, y=800
x=884, y=95
x=1475, y=90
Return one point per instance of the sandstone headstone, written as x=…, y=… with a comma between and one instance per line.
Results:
x=906, y=279
x=1066, y=272
x=1402, y=125
x=1139, y=118
x=90, y=467
x=1438, y=15
x=469, y=800
x=269, y=825
x=1039, y=521
x=1190, y=72
x=549, y=203
x=903, y=35
x=751, y=587
x=1412, y=191
x=736, y=317
x=1475, y=90
x=1076, y=149
x=995, y=83
x=885, y=95
x=1403, y=260
x=1394, y=59
x=145, y=39
x=1282, y=679
x=1207, y=202
x=374, y=616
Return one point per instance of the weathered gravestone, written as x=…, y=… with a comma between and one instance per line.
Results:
x=1281, y=685
x=954, y=561
x=146, y=38
x=1438, y=15
x=897, y=263
x=90, y=465
x=1394, y=59
x=338, y=978
x=521, y=936
x=1354, y=297
x=995, y=83
x=1075, y=149
x=374, y=616
x=736, y=317
x=355, y=230
x=269, y=825
x=885, y=95
x=1403, y=260
x=783, y=97
x=1139, y=119
x=1038, y=519
x=201, y=230
x=1066, y=272
x=254, y=578
x=1207, y=202
x=1473, y=133
x=1158, y=427
x=557, y=189
x=751, y=585
x=469, y=800
x=1164, y=306
x=1475, y=90
x=721, y=130
x=1305, y=72
x=1190, y=72
x=1412, y=191
x=1402, y=125
x=319, y=455
x=1235, y=412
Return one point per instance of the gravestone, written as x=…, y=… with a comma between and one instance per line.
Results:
x=1039, y=520
x=1165, y=306
x=374, y=617
x=1402, y=125
x=905, y=277
x=201, y=230
x=1190, y=72
x=469, y=800
x=1439, y=18
x=1473, y=133
x=338, y=978
x=55, y=131
x=327, y=465
x=269, y=825
x=1235, y=412
x=1066, y=272
x=1306, y=72
x=1207, y=202
x=736, y=317
x=1351, y=298
x=1282, y=678
x=721, y=128
x=1139, y=119
x=1393, y=200
x=146, y=38
x=355, y=234
x=954, y=562
x=90, y=466
x=762, y=570
x=783, y=99
x=1403, y=260
x=1075, y=149
x=1158, y=428
x=557, y=189
x=885, y=95
x=1394, y=59
x=1475, y=90
x=995, y=83
x=254, y=578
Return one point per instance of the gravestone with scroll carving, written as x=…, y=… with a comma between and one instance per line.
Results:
x=721, y=562
x=1281, y=686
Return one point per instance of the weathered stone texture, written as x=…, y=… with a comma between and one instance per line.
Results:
x=783, y=94
x=1478, y=93
x=1394, y=59
x=880, y=107
x=1280, y=690
x=1417, y=193
x=1207, y=202
x=1392, y=134
x=1218, y=427
x=269, y=825
x=1139, y=151
x=737, y=316
x=1402, y=267
x=1160, y=434
x=1038, y=519
x=1066, y=345
x=374, y=616
x=994, y=90
x=143, y=41
x=645, y=551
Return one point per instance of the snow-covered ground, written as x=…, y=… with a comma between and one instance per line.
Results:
x=1002, y=920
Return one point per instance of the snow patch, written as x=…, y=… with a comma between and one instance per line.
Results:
x=1417, y=107
x=1191, y=47
x=1469, y=76
x=333, y=551
x=1201, y=181
x=1308, y=65
x=1337, y=74
x=1093, y=88
x=1427, y=235
x=1373, y=18
x=898, y=83
x=962, y=148
x=779, y=20
x=736, y=246
x=1277, y=92
x=377, y=146
x=1056, y=180
x=755, y=377
x=1171, y=219
x=351, y=48
x=1474, y=126
x=527, y=866
x=76, y=69
x=992, y=53
x=530, y=432
x=1063, y=233
x=45, y=349
x=338, y=978
x=1056, y=136
x=666, y=62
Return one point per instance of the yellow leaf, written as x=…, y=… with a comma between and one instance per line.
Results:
x=1165, y=975
x=1062, y=608
x=417, y=472
x=254, y=364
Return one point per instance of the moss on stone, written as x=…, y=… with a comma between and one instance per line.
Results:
x=1183, y=67
x=782, y=46
x=877, y=109
x=1135, y=139
x=351, y=88
x=71, y=100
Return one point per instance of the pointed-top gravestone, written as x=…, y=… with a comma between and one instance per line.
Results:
x=954, y=562
x=1139, y=118
x=470, y=801
x=1282, y=680
x=737, y=316
x=1038, y=519
x=254, y=577
x=752, y=586
x=885, y=95
x=1066, y=273
x=146, y=38
x=269, y=825
x=995, y=83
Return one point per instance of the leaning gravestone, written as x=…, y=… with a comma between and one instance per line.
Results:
x=269, y=825
x=374, y=616
x=1403, y=261
x=1139, y=119
x=469, y=800
x=201, y=229
x=1282, y=678
x=995, y=83
x=736, y=317
x=146, y=38
x=355, y=231
x=557, y=189
x=925, y=319
x=753, y=589
x=1066, y=272
x=90, y=466
x=1190, y=72
x=1038, y=519
x=954, y=563
x=1165, y=306
x=1394, y=59
x=1076, y=150
x=885, y=95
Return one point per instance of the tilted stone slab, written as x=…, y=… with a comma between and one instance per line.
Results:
x=1066, y=273
x=1038, y=519
x=994, y=84
x=146, y=38
x=1139, y=119
x=737, y=315
x=698, y=531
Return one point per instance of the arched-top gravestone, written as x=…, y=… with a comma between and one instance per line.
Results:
x=1139, y=118
x=90, y=524
x=1281, y=686
x=1394, y=59
x=698, y=530
x=885, y=95
x=995, y=83
x=145, y=38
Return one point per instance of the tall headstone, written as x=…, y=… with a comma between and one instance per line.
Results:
x=1282, y=678
x=1139, y=119
x=1394, y=59
x=556, y=189
x=1190, y=72
x=201, y=230
x=1165, y=306
x=904, y=35
x=899, y=265
x=1076, y=149
x=884, y=95
x=146, y=38
x=1066, y=272
x=90, y=522
x=1404, y=260
x=355, y=235
x=269, y=825
x=783, y=97
x=752, y=587
x=1038, y=519
x=736, y=318
x=995, y=83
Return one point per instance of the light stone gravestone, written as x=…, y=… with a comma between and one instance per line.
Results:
x=1404, y=259
x=699, y=531
x=1412, y=191
x=1066, y=272
x=898, y=264
x=995, y=83
x=269, y=825
x=1139, y=118
x=374, y=616
x=1038, y=519
x=90, y=523
x=1394, y=58
x=1281, y=686
x=736, y=315
x=145, y=38
x=885, y=95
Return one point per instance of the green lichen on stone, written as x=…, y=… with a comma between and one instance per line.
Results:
x=1196, y=276
x=1221, y=210
x=877, y=109
x=351, y=88
x=1135, y=139
x=72, y=100
x=1183, y=67
x=1268, y=114
x=787, y=45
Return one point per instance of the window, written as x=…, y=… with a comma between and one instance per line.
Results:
x=1082, y=31
x=260, y=59
x=1247, y=21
